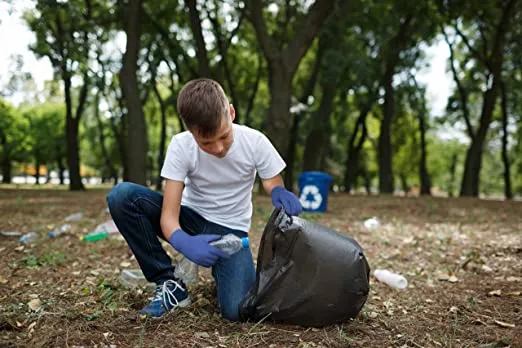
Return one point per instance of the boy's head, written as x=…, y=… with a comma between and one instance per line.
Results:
x=208, y=115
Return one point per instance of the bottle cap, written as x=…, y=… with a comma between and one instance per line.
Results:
x=245, y=242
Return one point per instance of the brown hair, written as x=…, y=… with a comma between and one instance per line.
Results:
x=202, y=104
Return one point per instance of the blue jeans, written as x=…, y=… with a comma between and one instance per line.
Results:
x=136, y=210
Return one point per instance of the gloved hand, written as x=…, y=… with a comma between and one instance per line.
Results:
x=197, y=248
x=281, y=197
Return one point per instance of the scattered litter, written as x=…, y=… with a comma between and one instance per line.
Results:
x=372, y=223
x=30, y=237
x=391, y=279
x=134, y=278
x=202, y=334
x=11, y=233
x=74, y=217
x=60, y=230
x=108, y=226
x=95, y=236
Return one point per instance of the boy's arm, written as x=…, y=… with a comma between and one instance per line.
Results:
x=281, y=197
x=269, y=184
x=171, y=206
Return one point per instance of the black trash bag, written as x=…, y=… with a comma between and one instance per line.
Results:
x=307, y=275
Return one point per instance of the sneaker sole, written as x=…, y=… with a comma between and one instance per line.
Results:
x=182, y=304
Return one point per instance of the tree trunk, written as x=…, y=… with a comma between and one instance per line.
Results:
x=316, y=142
x=129, y=85
x=37, y=165
x=279, y=117
x=163, y=136
x=59, y=162
x=201, y=51
x=6, y=160
x=453, y=175
x=283, y=63
x=101, y=136
x=425, y=179
x=71, y=137
x=508, y=193
x=404, y=183
x=353, y=150
x=473, y=163
x=385, y=150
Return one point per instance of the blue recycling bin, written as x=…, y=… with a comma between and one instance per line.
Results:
x=313, y=191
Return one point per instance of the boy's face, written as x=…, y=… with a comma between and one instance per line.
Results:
x=219, y=144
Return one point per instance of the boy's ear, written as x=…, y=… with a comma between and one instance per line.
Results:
x=232, y=113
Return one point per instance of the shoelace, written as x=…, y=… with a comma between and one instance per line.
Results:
x=166, y=294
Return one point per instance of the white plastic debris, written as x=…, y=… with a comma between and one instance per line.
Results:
x=372, y=223
x=391, y=279
x=74, y=217
x=108, y=226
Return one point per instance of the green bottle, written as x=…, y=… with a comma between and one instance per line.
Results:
x=95, y=236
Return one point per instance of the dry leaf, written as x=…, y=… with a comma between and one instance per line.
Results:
x=487, y=268
x=35, y=304
x=428, y=300
x=3, y=280
x=513, y=279
x=202, y=334
x=504, y=324
x=443, y=277
x=31, y=326
x=372, y=315
x=514, y=293
x=495, y=293
x=454, y=309
x=125, y=264
x=453, y=279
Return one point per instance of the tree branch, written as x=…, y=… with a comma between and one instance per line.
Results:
x=197, y=32
x=172, y=44
x=473, y=51
x=268, y=46
x=307, y=32
x=462, y=91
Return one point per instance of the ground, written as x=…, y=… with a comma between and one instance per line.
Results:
x=462, y=259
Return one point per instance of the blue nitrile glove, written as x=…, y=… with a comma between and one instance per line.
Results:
x=281, y=197
x=197, y=248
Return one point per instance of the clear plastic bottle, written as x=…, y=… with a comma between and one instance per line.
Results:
x=30, y=237
x=187, y=270
x=391, y=279
x=60, y=230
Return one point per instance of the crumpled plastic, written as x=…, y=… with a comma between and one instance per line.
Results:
x=307, y=274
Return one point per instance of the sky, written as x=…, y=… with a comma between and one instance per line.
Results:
x=15, y=38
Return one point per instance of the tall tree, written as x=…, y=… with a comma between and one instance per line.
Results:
x=283, y=59
x=137, y=146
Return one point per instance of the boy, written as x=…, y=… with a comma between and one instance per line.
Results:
x=209, y=171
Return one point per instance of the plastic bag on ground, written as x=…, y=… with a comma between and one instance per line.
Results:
x=307, y=275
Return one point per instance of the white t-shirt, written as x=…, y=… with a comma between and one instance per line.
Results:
x=220, y=189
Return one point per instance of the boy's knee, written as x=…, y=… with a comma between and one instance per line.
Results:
x=119, y=194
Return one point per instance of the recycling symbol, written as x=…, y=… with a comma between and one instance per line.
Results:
x=310, y=197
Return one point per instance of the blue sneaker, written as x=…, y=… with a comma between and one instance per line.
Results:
x=169, y=295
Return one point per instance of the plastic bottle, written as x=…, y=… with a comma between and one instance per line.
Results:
x=391, y=279
x=60, y=230
x=74, y=217
x=134, y=278
x=95, y=236
x=30, y=237
x=187, y=270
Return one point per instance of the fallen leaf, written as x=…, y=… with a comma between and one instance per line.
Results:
x=513, y=279
x=31, y=326
x=428, y=300
x=453, y=279
x=20, y=248
x=35, y=304
x=372, y=315
x=495, y=293
x=514, y=293
x=76, y=273
x=3, y=280
x=454, y=309
x=486, y=268
x=95, y=273
x=443, y=277
x=504, y=324
x=202, y=334
x=125, y=264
